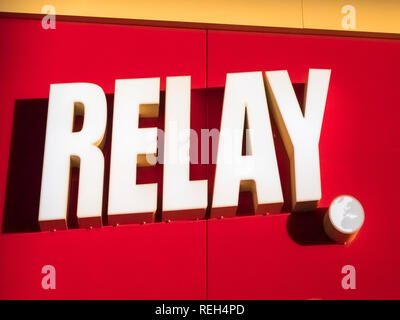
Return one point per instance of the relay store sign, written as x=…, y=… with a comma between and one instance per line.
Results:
x=245, y=107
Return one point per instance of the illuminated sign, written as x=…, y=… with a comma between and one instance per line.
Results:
x=245, y=107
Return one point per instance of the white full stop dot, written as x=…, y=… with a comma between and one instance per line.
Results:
x=346, y=214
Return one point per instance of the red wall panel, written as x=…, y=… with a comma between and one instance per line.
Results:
x=136, y=262
x=288, y=256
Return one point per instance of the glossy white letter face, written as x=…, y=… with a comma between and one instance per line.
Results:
x=182, y=198
x=132, y=146
x=300, y=133
x=257, y=171
x=63, y=145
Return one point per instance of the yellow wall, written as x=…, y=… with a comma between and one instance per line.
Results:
x=371, y=15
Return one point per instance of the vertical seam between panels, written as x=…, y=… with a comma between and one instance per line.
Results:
x=206, y=101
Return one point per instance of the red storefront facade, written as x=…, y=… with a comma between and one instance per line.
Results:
x=281, y=256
